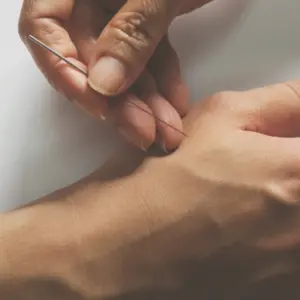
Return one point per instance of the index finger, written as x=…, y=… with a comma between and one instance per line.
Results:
x=45, y=20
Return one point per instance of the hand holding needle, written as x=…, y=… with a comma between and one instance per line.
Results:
x=43, y=45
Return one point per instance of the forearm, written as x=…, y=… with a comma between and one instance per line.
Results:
x=46, y=248
x=108, y=239
x=85, y=241
x=124, y=230
x=37, y=245
x=102, y=239
x=37, y=242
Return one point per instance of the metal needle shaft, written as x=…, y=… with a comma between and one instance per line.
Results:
x=38, y=42
x=41, y=44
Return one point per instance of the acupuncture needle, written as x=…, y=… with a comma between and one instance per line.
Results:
x=84, y=72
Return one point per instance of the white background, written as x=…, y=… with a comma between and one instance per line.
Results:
x=46, y=143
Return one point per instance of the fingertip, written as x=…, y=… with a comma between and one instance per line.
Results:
x=177, y=94
x=137, y=126
x=172, y=87
x=169, y=140
x=165, y=68
x=73, y=84
x=134, y=138
x=68, y=79
x=92, y=112
x=108, y=77
x=168, y=121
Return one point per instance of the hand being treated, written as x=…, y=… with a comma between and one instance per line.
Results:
x=218, y=218
x=125, y=49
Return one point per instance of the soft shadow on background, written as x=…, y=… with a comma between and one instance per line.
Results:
x=47, y=143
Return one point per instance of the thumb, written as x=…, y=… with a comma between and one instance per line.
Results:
x=127, y=43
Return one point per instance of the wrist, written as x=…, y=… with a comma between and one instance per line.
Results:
x=104, y=239
x=85, y=236
x=144, y=230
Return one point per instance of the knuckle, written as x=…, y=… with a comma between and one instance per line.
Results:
x=133, y=29
x=293, y=87
x=222, y=100
x=286, y=192
x=27, y=19
x=23, y=25
x=221, y=103
x=26, y=25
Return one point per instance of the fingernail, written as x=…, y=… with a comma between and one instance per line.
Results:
x=91, y=113
x=163, y=146
x=132, y=139
x=161, y=142
x=143, y=148
x=128, y=136
x=107, y=76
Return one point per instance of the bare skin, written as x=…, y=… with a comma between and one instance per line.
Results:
x=125, y=48
x=217, y=219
